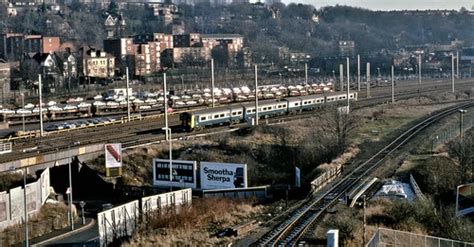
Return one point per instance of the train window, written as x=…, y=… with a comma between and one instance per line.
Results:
x=249, y=111
x=222, y=115
x=239, y=112
x=234, y=113
x=216, y=116
x=203, y=118
x=253, y=110
x=297, y=104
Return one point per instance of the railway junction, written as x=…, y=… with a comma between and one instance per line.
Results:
x=56, y=148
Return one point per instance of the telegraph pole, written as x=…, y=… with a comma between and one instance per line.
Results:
x=40, y=105
x=393, y=84
x=358, y=72
x=368, y=80
x=452, y=72
x=348, y=83
x=419, y=70
x=165, y=105
x=25, y=207
x=212, y=81
x=341, y=76
x=457, y=64
x=128, y=96
x=256, y=96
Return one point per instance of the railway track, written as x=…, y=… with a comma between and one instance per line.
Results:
x=143, y=131
x=298, y=224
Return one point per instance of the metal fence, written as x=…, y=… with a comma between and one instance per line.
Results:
x=5, y=147
x=451, y=132
x=416, y=188
x=387, y=237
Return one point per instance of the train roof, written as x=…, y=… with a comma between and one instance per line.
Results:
x=262, y=103
x=211, y=110
x=312, y=96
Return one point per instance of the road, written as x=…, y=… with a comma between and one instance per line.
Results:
x=88, y=237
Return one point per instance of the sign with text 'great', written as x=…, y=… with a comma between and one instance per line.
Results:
x=113, y=155
x=215, y=175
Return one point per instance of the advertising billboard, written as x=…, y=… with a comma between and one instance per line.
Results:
x=113, y=155
x=465, y=199
x=215, y=175
x=183, y=173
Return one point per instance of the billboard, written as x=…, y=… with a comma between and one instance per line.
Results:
x=465, y=199
x=113, y=155
x=215, y=175
x=183, y=173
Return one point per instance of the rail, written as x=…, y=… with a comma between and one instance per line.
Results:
x=294, y=228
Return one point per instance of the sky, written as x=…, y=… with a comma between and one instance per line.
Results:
x=392, y=4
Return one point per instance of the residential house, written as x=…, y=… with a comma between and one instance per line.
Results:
x=147, y=58
x=14, y=45
x=97, y=64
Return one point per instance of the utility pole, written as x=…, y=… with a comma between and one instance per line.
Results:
x=348, y=83
x=165, y=104
x=128, y=96
x=457, y=64
x=358, y=72
x=70, y=187
x=419, y=71
x=256, y=96
x=452, y=72
x=393, y=84
x=368, y=80
x=306, y=73
x=341, y=76
x=23, y=114
x=40, y=104
x=212, y=81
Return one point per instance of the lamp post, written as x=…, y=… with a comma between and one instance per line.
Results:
x=461, y=122
x=168, y=131
x=70, y=183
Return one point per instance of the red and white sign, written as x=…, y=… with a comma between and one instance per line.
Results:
x=113, y=155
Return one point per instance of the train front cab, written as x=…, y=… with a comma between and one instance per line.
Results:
x=188, y=121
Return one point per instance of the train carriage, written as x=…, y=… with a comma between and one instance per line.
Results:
x=210, y=117
x=312, y=102
x=266, y=108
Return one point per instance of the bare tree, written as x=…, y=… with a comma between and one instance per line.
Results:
x=339, y=125
x=462, y=151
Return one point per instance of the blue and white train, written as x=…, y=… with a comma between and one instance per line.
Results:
x=266, y=108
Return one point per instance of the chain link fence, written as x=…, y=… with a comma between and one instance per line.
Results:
x=449, y=133
x=393, y=238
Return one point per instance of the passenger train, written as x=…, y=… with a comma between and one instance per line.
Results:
x=233, y=114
